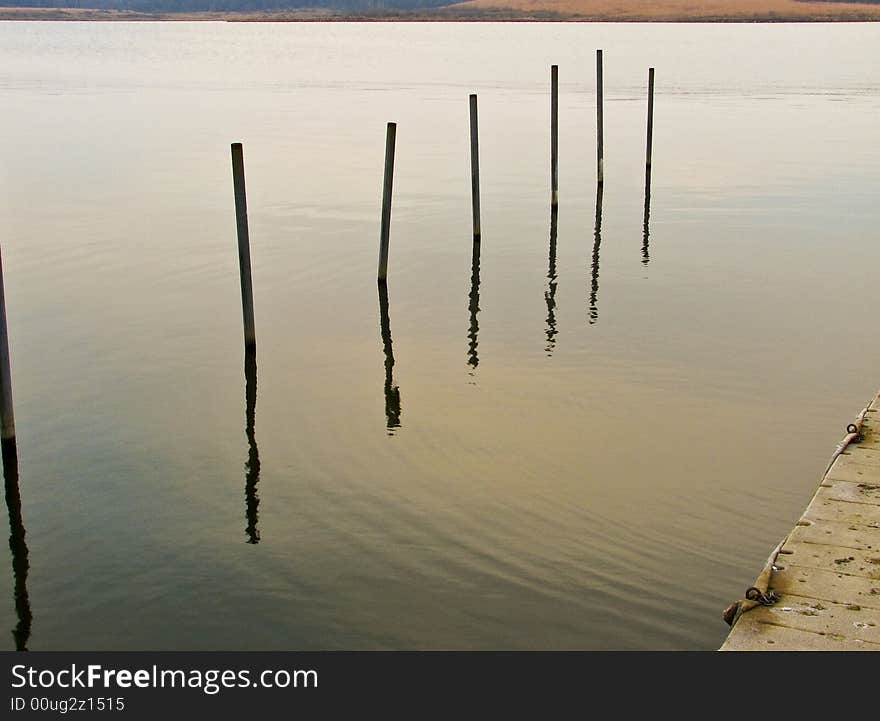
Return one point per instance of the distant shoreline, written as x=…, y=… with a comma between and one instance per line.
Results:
x=623, y=11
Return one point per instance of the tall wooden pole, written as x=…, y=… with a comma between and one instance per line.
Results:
x=387, y=186
x=600, y=135
x=475, y=167
x=650, y=118
x=244, y=247
x=7, y=417
x=554, y=134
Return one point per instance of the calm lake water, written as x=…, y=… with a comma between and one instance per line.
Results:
x=588, y=441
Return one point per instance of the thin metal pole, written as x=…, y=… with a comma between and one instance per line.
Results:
x=475, y=167
x=385, y=229
x=554, y=133
x=244, y=247
x=599, y=120
x=650, y=117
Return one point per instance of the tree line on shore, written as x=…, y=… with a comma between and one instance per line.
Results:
x=170, y=6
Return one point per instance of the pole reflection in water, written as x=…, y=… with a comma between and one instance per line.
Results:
x=594, y=272
x=645, y=255
x=550, y=293
x=22, y=631
x=474, y=308
x=392, y=392
x=252, y=467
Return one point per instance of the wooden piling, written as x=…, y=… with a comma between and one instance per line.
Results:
x=7, y=417
x=599, y=119
x=475, y=167
x=650, y=117
x=244, y=247
x=385, y=229
x=554, y=133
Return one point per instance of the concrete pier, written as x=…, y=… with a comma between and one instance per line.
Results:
x=826, y=573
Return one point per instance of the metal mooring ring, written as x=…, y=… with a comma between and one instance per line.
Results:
x=754, y=594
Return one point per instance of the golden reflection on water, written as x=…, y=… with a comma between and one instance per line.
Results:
x=604, y=485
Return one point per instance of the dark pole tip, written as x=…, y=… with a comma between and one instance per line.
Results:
x=236, y=146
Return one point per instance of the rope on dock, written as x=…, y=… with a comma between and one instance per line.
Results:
x=853, y=434
x=763, y=597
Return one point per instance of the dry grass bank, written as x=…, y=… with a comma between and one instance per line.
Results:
x=688, y=10
x=513, y=10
